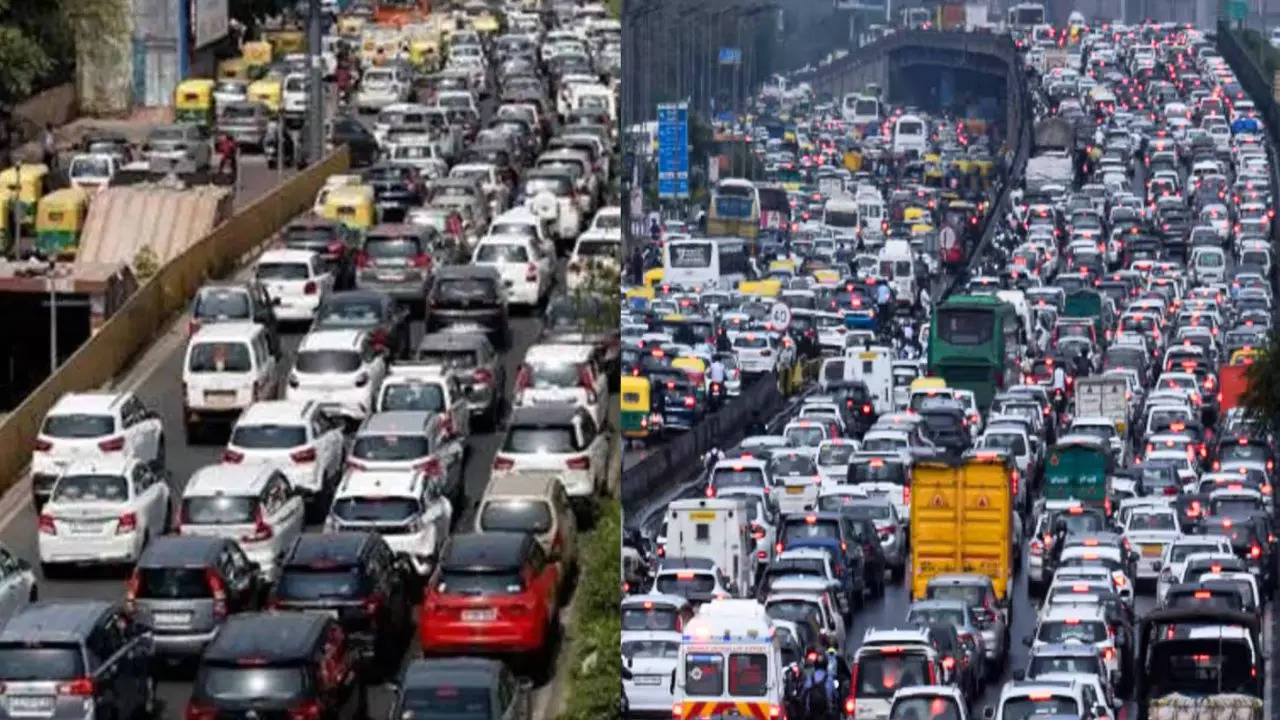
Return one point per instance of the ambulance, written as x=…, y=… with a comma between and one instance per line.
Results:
x=730, y=664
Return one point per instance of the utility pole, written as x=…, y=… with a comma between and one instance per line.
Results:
x=314, y=130
x=53, y=318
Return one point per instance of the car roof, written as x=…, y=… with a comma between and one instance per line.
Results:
x=54, y=621
x=544, y=415
x=86, y=402
x=317, y=549
x=400, y=422
x=234, y=331
x=275, y=412
x=228, y=479
x=181, y=551
x=558, y=351
x=285, y=255
x=533, y=485
x=266, y=636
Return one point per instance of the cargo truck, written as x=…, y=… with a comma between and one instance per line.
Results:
x=718, y=529
x=1079, y=468
x=1104, y=396
x=962, y=520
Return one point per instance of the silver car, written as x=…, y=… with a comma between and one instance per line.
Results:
x=182, y=149
x=884, y=514
x=245, y=122
x=978, y=593
x=184, y=587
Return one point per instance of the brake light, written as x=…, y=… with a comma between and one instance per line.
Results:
x=43, y=445
x=306, y=710
x=261, y=530
x=80, y=687
x=310, y=288
x=483, y=376
x=431, y=466
x=305, y=455
x=115, y=444
x=578, y=463
x=531, y=272
x=232, y=456
x=219, y=592
x=127, y=523
x=200, y=711
x=362, y=260
x=422, y=261
x=503, y=463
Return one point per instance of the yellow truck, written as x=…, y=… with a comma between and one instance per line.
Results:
x=962, y=520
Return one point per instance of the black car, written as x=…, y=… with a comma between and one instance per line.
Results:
x=333, y=241
x=378, y=313
x=55, y=656
x=469, y=294
x=275, y=666
x=479, y=688
x=357, y=576
x=363, y=145
x=874, y=561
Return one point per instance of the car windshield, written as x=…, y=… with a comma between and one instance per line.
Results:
x=376, y=509
x=347, y=312
x=90, y=488
x=476, y=582
x=1152, y=521
x=390, y=447
x=685, y=584
x=529, y=440
x=219, y=510
x=1057, y=631
x=231, y=684
x=795, y=528
x=791, y=465
x=881, y=674
x=380, y=247
x=650, y=616
x=1044, y=664
x=607, y=249
x=501, y=253
x=466, y=289
x=925, y=708
x=37, y=661
x=877, y=471
x=283, y=271
x=422, y=397
x=219, y=357
x=324, y=580
x=268, y=436
x=550, y=374
x=78, y=426
x=529, y=516
x=446, y=702
x=221, y=305
x=1032, y=706
x=450, y=359
x=327, y=361
x=173, y=583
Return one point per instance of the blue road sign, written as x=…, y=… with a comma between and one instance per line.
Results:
x=730, y=56
x=673, y=150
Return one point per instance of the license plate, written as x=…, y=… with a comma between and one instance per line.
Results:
x=391, y=276
x=30, y=703
x=85, y=528
x=1152, y=550
x=478, y=615
x=220, y=399
x=171, y=618
x=648, y=680
x=795, y=489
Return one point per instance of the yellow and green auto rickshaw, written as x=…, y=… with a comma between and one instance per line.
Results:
x=350, y=27
x=193, y=100
x=286, y=42
x=424, y=55
x=637, y=414
x=257, y=57
x=653, y=277
x=59, y=220
x=351, y=205
x=233, y=69
x=269, y=91
x=28, y=182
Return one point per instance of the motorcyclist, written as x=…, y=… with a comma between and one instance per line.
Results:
x=820, y=685
x=716, y=373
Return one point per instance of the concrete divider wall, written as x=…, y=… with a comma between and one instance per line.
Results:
x=144, y=315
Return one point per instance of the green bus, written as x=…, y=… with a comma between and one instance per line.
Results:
x=1079, y=468
x=1087, y=303
x=973, y=345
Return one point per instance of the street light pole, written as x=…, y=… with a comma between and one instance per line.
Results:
x=315, y=86
x=53, y=318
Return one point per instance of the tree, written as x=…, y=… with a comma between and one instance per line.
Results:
x=1261, y=398
x=36, y=47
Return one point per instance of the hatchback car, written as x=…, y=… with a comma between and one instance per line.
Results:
x=562, y=438
x=469, y=295
x=479, y=688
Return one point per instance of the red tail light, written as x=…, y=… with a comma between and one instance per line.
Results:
x=261, y=530
x=46, y=524
x=193, y=326
x=127, y=523
x=310, y=288
x=578, y=463
x=80, y=687
x=200, y=711
x=373, y=604
x=362, y=260
x=131, y=590
x=906, y=495
x=531, y=272
x=232, y=456
x=422, y=261
x=777, y=548
x=482, y=376
x=306, y=710
x=503, y=463
x=115, y=444
x=431, y=466
x=43, y=445
x=866, y=408
x=303, y=456
x=1255, y=552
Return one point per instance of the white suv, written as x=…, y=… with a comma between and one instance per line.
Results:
x=294, y=437
x=89, y=426
x=295, y=280
x=408, y=509
x=227, y=368
x=338, y=368
x=251, y=504
x=563, y=374
x=526, y=270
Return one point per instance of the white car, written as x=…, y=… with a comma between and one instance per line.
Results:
x=651, y=656
x=562, y=438
x=102, y=511
x=408, y=509
x=426, y=387
x=597, y=253
x=380, y=87
x=1175, y=556
x=409, y=442
x=91, y=426
x=251, y=504
x=557, y=374
x=295, y=437
x=757, y=353
x=1150, y=530
x=525, y=269
x=338, y=368
x=296, y=281
x=227, y=368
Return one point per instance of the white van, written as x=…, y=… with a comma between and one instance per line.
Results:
x=730, y=655
x=860, y=110
x=227, y=367
x=898, y=265
x=910, y=136
x=717, y=529
x=873, y=365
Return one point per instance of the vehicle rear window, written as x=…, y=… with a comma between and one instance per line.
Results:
x=685, y=584
x=550, y=375
x=501, y=253
x=795, y=528
x=536, y=440
x=447, y=702
x=880, y=675
x=964, y=327
x=220, y=682
x=969, y=595
x=930, y=616
x=220, y=357
x=283, y=271
x=650, y=649
x=531, y=516
x=328, y=361
x=304, y=582
x=391, y=247
x=748, y=674
x=390, y=447
x=466, y=289
x=836, y=454
x=78, y=426
x=219, y=510
x=350, y=312
x=450, y=359
x=40, y=661
x=423, y=397
x=872, y=471
x=704, y=674
x=221, y=305
x=178, y=583
x=728, y=476
x=792, y=465
x=90, y=488
x=1066, y=631
x=1044, y=664
x=375, y=509
x=653, y=618
x=268, y=436
x=464, y=582
x=1023, y=708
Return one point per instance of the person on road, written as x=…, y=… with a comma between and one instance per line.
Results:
x=342, y=78
x=1059, y=385
x=226, y=148
x=882, y=306
x=48, y=146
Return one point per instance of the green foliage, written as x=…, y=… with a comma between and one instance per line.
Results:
x=1262, y=394
x=597, y=300
x=596, y=679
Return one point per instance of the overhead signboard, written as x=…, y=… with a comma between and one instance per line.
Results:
x=673, y=150
x=209, y=21
x=730, y=56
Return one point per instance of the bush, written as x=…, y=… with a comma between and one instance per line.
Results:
x=596, y=632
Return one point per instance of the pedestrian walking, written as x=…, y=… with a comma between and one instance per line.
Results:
x=48, y=146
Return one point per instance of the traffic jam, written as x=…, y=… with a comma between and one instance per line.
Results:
x=1035, y=495
x=371, y=456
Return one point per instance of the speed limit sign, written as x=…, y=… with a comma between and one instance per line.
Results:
x=780, y=315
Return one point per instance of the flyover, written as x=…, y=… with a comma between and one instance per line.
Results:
x=941, y=66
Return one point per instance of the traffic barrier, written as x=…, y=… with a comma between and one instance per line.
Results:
x=146, y=313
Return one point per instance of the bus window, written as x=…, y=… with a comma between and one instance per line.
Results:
x=964, y=327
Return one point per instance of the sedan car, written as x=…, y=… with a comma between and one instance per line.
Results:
x=374, y=312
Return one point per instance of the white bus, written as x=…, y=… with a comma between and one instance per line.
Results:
x=1026, y=15
x=705, y=263
x=840, y=215
x=910, y=135
x=860, y=109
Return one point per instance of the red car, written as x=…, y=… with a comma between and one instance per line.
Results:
x=493, y=593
